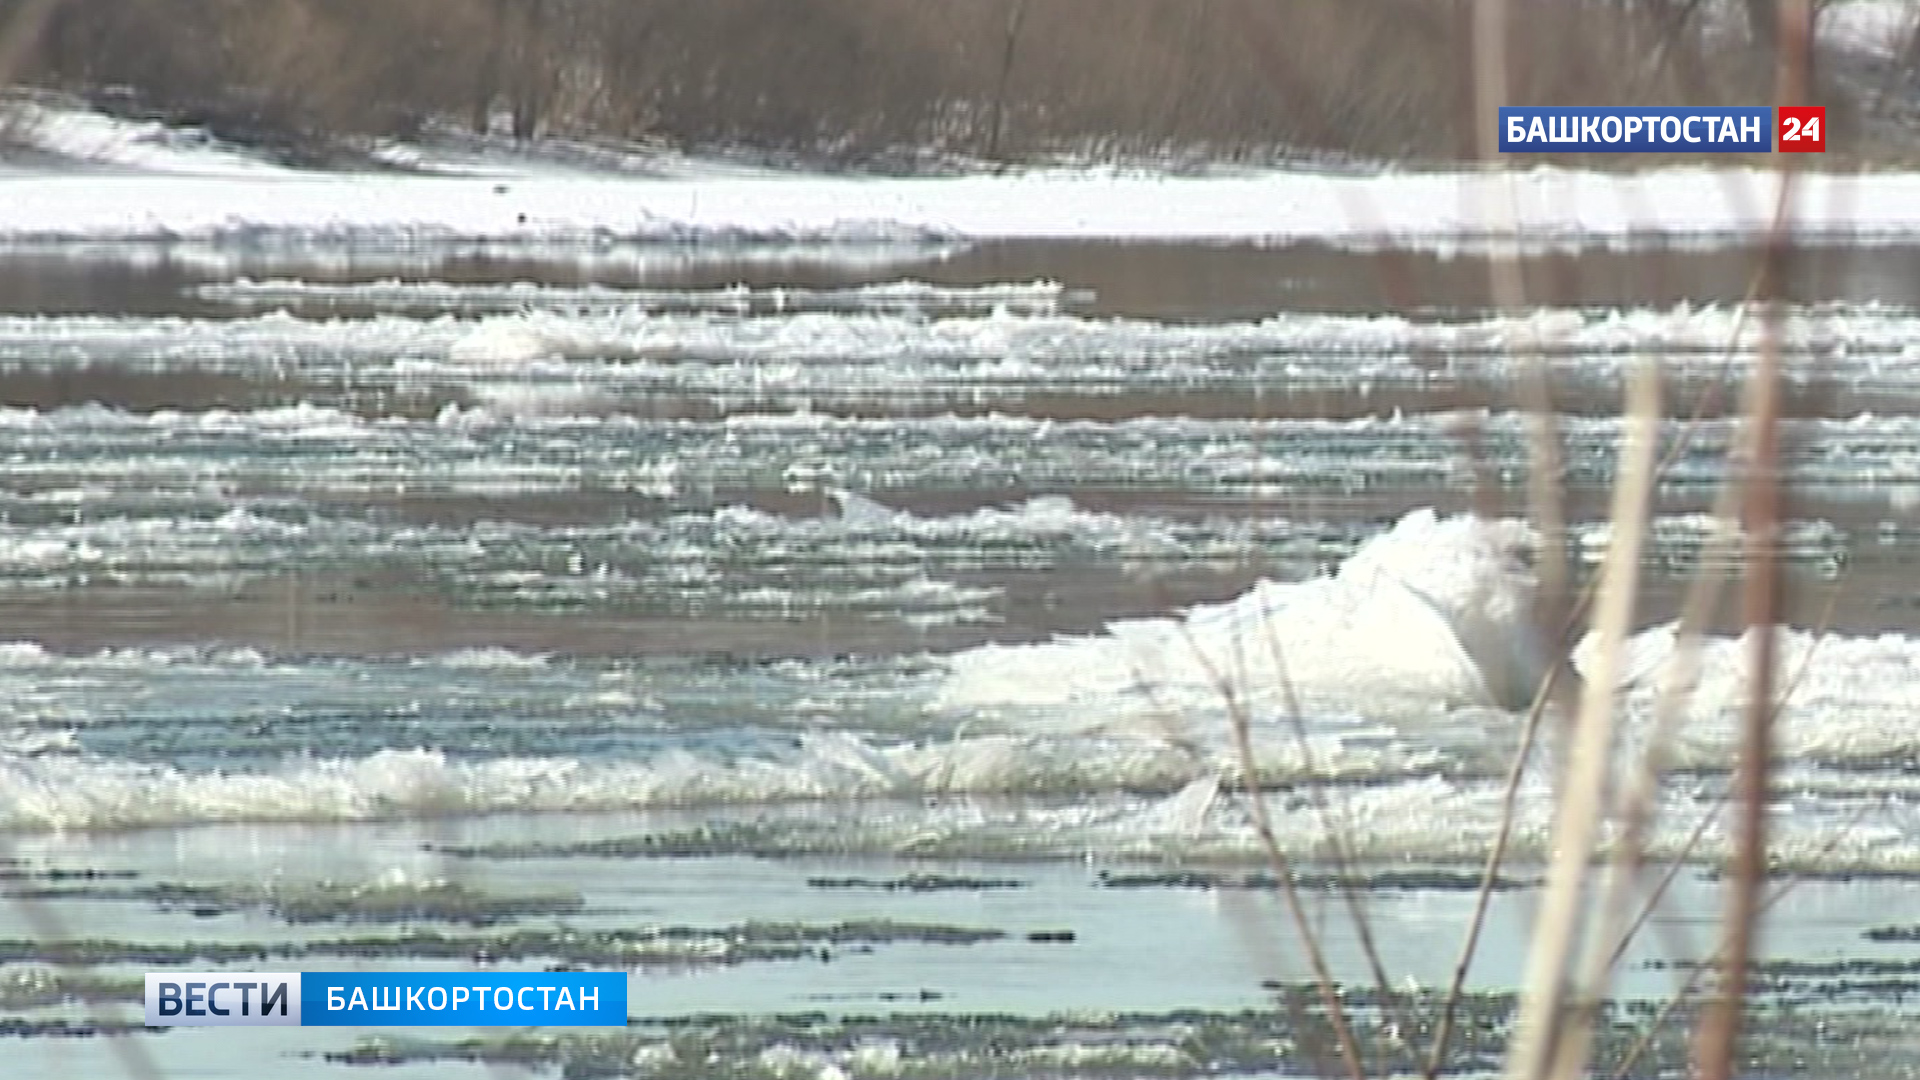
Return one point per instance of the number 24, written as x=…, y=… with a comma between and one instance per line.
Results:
x=1795, y=133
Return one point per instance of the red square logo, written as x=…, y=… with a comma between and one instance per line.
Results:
x=1803, y=129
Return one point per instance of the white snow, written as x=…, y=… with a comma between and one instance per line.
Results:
x=87, y=137
x=131, y=181
x=1442, y=210
x=1875, y=26
x=124, y=180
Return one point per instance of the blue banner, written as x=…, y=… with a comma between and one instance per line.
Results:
x=358, y=998
x=564, y=998
x=1631, y=130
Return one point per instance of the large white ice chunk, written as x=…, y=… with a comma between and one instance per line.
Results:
x=1434, y=612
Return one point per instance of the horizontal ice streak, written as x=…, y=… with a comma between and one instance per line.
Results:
x=313, y=452
x=626, y=346
x=733, y=558
x=242, y=711
x=231, y=256
x=395, y=295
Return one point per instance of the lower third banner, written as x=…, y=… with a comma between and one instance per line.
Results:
x=336, y=998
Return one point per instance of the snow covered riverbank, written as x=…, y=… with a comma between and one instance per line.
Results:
x=1540, y=207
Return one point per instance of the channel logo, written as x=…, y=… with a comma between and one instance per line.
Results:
x=428, y=998
x=223, y=999
x=1632, y=130
x=1803, y=129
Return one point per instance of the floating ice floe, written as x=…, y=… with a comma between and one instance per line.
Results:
x=1435, y=611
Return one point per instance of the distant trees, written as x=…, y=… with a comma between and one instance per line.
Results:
x=284, y=68
x=856, y=78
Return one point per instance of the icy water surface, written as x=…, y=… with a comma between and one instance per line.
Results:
x=835, y=638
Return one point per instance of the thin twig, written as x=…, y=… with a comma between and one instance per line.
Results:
x=1334, y=834
x=1698, y=971
x=1496, y=856
x=1613, y=618
x=1683, y=856
x=1240, y=723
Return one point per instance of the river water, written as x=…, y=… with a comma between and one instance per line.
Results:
x=835, y=637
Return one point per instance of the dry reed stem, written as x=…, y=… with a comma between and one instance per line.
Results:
x=1491, y=81
x=1680, y=674
x=1681, y=859
x=1649, y=769
x=1533, y=1048
x=1717, y=1047
x=1681, y=671
x=1684, y=854
x=1685, y=993
x=1613, y=617
x=1553, y=1027
x=1692, y=981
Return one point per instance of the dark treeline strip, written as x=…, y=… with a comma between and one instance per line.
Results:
x=851, y=80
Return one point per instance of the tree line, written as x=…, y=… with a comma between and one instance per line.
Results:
x=852, y=79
